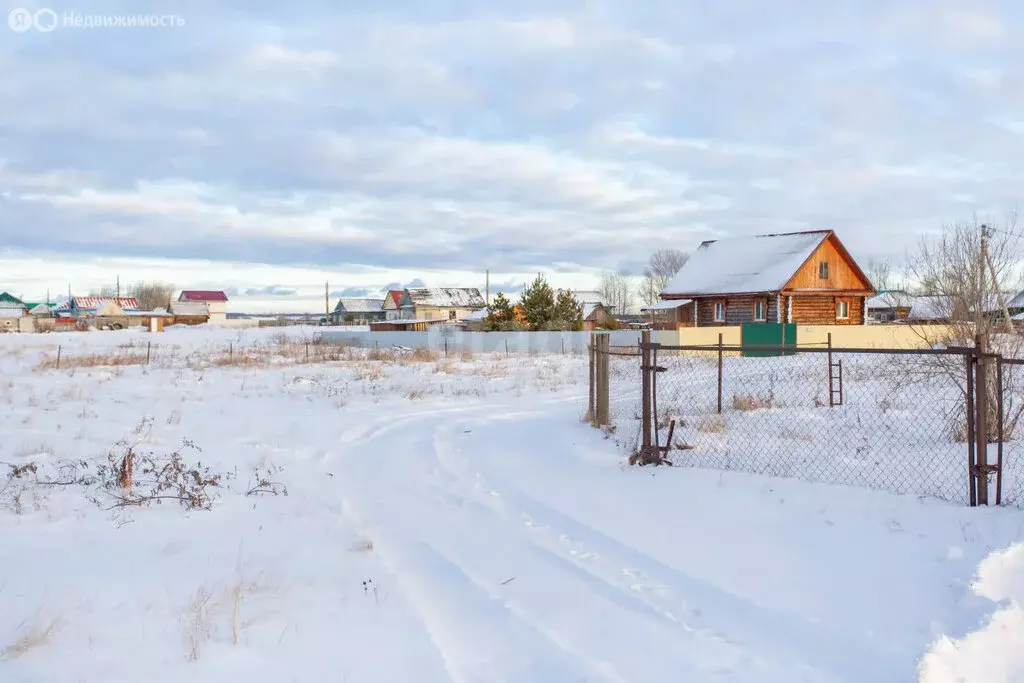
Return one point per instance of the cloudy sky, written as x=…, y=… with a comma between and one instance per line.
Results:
x=266, y=147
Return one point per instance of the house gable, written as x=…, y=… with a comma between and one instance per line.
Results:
x=843, y=273
x=10, y=298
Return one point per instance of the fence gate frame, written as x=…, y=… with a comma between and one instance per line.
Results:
x=977, y=360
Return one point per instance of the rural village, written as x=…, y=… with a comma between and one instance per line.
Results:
x=475, y=342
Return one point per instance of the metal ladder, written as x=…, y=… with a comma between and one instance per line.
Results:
x=835, y=382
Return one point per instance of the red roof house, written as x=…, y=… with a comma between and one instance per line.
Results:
x=202, y=295
x=393, y=304
x=215, y=300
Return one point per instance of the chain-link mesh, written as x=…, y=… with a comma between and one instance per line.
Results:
x=895, y=422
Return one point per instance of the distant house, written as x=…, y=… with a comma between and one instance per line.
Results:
x=358, y=311
x=93, y=306
x=441, y=303
x=190, y=312
x=216, y=302
x=807, y=278
x=12, y=309
x=477, y=320
x=392, y=306
x=595, y=316
x=940, y=308
x=889, y=305
x=41, y=310
x=11, y=306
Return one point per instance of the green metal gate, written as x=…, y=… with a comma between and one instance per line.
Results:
x=768, y=334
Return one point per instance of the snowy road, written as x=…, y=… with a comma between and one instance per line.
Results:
x=507, y=558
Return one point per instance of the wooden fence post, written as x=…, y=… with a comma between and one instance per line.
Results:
x=719, y=373
x=58, y=356
x=591, y=406
x=981, y=421
x=603, y=417
x=149, y=350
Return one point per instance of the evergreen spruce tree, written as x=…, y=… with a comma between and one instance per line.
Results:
x=538, y=302
x=499, y=313
x=568, y=311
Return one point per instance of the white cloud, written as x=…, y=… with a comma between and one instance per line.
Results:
x=420, y=141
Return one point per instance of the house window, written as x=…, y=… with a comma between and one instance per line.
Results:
x=823, y=270
x=760, y=310
x=719, y=311
x=451, y=315
x=842, y=310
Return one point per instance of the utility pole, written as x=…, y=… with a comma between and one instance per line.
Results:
x=327, y=303
x=118, y=286
x=1007, y=325
x=979, y=312
x=487, y=287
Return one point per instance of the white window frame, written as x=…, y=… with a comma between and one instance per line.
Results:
x=839, y=306
x=715, y=311
x=764, y=310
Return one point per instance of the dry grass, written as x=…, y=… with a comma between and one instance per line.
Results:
x=34, y=633
x=198, y=623
x=748, y=402
x=711, y=424
x=92, y=360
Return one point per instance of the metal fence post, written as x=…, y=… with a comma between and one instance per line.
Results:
x=969, y=416
x=999, y=450
x=981, y=428
x=831, y=389
x=719, y=373
x=645, y=391
x=149, y=349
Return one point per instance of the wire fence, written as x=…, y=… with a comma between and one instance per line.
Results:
x=896, y=421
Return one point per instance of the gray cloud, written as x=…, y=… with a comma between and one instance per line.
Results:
x=270, y=290
x=539, y=136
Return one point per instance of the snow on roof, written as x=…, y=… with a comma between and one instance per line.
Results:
x=666, y=305
x=477, y=315
x=588, y=309
x=890, y=299
x=930, y=308
x=95, y=302
x=740, y=265
x=359, y=305
x=447, y=297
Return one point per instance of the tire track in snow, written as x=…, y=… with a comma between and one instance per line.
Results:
x=663, y=588
x=642, y=640
x=479, y=638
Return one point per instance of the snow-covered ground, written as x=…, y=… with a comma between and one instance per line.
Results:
x=446, y=519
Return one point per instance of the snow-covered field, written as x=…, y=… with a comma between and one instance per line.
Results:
x=446, y=519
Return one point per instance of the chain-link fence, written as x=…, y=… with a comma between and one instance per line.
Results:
x=891, y=420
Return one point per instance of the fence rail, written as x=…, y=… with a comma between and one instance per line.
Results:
x=943, y=423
